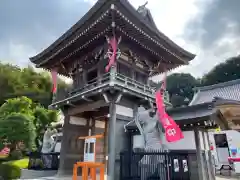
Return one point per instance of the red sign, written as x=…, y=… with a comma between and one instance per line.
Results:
x=5, y=151
x=112, y=46
x=54, y=80
x=172, y=131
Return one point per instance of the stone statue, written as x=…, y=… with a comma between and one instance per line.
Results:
x=151, y=129
x=48, y=141
x=153, y=133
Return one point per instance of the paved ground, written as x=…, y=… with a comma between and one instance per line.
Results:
x=70, y=178
x=50, y=175
x=227, y=178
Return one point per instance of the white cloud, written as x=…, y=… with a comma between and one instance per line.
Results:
x=171, y=17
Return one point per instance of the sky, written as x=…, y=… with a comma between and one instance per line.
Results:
x=208, y=28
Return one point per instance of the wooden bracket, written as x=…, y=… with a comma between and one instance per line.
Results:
x=119, y=97
x=105, y=97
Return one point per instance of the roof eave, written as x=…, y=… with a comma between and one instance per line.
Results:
x=159, y=34
x=39, y=57
x=81, y=22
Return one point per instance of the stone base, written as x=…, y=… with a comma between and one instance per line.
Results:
x=33, y=174
x=57, y=177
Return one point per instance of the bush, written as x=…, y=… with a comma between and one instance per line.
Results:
x=15, y=155
x=9, y=172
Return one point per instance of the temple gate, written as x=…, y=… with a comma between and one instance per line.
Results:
x=110, y=54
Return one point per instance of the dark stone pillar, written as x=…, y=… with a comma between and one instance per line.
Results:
x=111, y=141
x=72, y=148
x=201, y=171
x=122, y=143
x=64, y=143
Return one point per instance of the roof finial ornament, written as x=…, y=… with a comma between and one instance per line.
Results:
x=145, y=4
x=142, y=9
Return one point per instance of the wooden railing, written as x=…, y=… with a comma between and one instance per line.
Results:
x=116, y=78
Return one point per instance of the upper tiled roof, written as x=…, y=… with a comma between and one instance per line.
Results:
x=228, y=90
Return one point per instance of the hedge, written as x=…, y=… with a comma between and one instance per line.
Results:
x=9, y=172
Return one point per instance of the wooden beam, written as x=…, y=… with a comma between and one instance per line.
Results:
x=86, y=107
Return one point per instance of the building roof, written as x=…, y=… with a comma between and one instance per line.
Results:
x=190, y=115
x=76, y=34
x=227, y=91
x=193, y=112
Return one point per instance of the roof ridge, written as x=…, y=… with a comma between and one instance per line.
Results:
x=219, y=85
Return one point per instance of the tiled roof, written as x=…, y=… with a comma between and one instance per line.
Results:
x=194, y=113
x=228, y=90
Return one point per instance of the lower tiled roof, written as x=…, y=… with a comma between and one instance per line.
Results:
x=229, y=90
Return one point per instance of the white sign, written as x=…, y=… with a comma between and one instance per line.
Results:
x=89, y=150
x=185, y=165
x=176, y=165
x=171, y=132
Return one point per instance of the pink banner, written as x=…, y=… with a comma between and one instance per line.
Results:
x=172, y=131
x=5, y=151
x=54, y=80
x=113, y=46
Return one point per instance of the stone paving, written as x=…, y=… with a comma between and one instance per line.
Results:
x=51, y=175
x=227, y=178
x=70, y=178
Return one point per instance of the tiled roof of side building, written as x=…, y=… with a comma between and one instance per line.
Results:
x=228, y=90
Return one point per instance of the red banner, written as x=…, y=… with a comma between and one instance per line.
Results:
x=112, y=46
x=5, y=151
x=172, y=131
x=54, y=80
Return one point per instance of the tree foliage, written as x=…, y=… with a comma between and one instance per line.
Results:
x=16, y=128
x=24, y=97
x=21, y=105
x=43, y=119
x=21, y=119
x=227, y=71
x=180, y=88
x=16, y=82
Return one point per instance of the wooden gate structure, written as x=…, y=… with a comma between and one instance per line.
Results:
x=110, y=54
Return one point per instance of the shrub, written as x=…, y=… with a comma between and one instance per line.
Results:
x=9, y=172
x=15, y=155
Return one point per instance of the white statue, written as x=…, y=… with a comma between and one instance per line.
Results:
x=152, y=131
x=48, y=141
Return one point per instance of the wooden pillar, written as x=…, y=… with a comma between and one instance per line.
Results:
x=199, y=155
x=106, y=142
x=211, y=160
x=111, y=140
x=84, y=76
x=206, y=154
x=64, y=145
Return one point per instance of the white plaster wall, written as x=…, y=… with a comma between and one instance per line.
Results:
x=138, y=141
x=187, y=143
x=124, y=111
x=77, y=121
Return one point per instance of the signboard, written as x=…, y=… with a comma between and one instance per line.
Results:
x=185, y=165
x=176, y=165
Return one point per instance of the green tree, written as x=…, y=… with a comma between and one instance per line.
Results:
x=40, y=117
x=180, y=88
x=16, y=128
x=43, y=119
x=227, y=71
x=21, y=105
x=16, y=82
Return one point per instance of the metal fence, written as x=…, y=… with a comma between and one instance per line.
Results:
x=161, y=165
x=41, y=161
